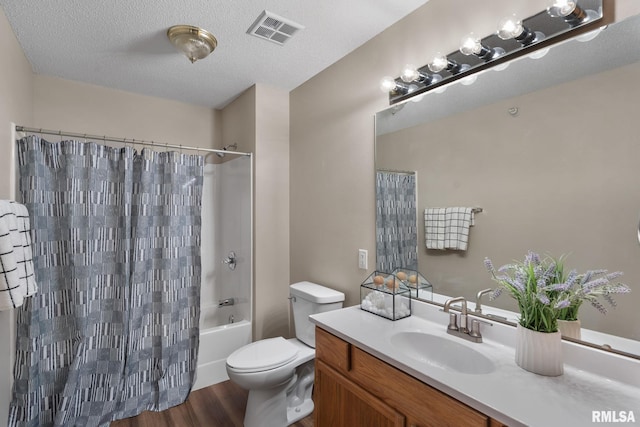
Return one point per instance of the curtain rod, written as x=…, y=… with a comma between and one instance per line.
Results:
x=400, y=172
x=124, y=140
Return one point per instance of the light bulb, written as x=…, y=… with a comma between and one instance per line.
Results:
x=561, y=8
x=409, y=73
x=387, y=84
x=509, y=27
x=438, y=63
x=470, y=45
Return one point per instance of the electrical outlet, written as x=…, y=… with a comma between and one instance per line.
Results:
x=362, y=259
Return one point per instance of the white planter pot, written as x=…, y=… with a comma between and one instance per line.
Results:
x=570, y=328
x=539, y=352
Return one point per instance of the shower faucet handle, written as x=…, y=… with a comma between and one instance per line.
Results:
x=230, y=260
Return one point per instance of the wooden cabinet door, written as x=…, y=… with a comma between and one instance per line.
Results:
x=423, y=405
x=341, y=403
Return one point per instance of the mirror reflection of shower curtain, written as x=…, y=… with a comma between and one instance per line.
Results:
x=396, y=221
x=113, y=329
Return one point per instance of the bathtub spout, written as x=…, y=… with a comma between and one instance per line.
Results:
x=226, y=302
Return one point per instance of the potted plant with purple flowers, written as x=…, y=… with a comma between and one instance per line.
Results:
x=534, y=284
x=592, y=286
x=548, y=301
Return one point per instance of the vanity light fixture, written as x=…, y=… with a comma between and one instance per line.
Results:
x=510, y=27
x=514, y=37
x=409, y=74
x=438, y=63
x=194, y=42
x=441, y=62
x=568, y=10
x=412, y=74
x=472, y=45
x=390, y=85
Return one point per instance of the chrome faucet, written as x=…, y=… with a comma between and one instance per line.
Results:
x=463, y=330
x=453, y=322
x=478, y=308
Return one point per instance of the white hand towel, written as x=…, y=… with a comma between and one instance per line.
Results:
x=448, y=228
x=435, y=228
x=23, y=250
x=16, y=266
x=458, y=220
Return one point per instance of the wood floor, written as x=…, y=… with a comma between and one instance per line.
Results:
x=220, y=405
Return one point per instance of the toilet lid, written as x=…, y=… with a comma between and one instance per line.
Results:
x=263, y=355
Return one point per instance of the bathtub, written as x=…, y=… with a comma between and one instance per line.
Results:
x=216, y=344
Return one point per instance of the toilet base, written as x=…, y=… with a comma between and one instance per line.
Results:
x=299, y=412
x=282, y=405
x=265, y=408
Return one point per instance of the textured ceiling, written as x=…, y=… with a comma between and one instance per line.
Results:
x=122, y=44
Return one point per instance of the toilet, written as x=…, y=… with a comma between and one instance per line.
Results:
x=279, y=372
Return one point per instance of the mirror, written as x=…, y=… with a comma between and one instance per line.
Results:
x=548, y=149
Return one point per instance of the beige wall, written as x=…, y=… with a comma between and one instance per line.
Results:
x=16, y=97
x=332, y=135
x=258, y=121
x=271, y=212
x=239, y=121
x=84, y=108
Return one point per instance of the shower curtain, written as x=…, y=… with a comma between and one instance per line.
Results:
x=113, y=330
x=396, y=233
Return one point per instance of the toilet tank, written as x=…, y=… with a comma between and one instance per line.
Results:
x=310, y=298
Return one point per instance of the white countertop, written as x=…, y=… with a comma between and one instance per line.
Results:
x=509, y=394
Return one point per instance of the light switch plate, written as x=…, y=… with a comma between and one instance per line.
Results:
x=362, y=259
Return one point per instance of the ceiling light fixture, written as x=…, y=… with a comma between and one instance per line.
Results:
x=514, y=37
x=194, y=42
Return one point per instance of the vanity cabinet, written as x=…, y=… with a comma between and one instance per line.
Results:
x=354, y=388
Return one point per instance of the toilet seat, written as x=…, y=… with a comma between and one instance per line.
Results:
x=262, y=355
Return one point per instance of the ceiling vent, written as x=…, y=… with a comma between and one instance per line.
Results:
x=274, y=28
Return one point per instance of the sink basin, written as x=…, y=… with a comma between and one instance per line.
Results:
x=442, y=352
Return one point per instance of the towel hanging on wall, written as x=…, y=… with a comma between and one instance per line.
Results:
x=448, y=228
x=435, y=227
x=17, y=280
